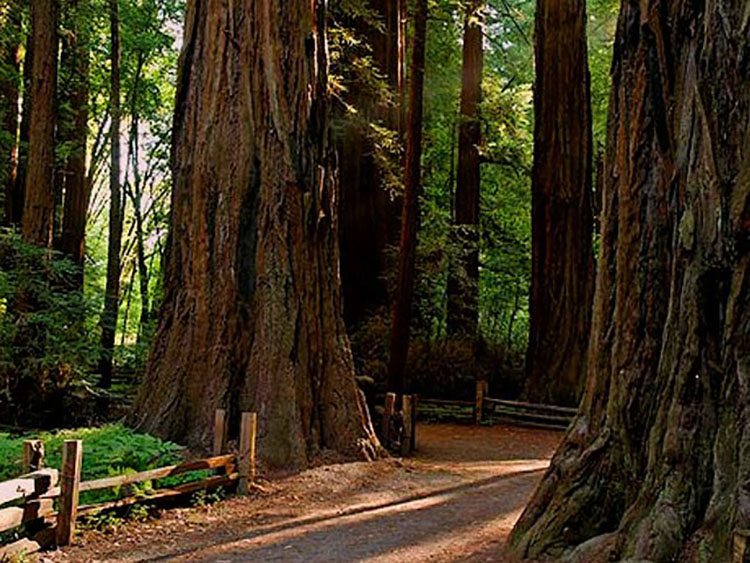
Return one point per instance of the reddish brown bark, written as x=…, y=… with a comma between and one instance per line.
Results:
x=656, y=464
x=251, y=319
x=463, y=279
x=369, y=209
x=401, y=311
x=39, y=201
x=562, y=217
x=76, y=191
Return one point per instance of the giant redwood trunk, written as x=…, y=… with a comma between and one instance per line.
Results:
x=562, y=275
x=369, y=208
x=251, y=319
x=463, y=279
x=656, y=466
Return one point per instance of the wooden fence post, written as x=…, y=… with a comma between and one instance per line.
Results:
x=248, y=431
x=220, y=431
x=479, y=400
x=414, y=409
x=385, y=429
x=406, y=409
x=70, y=480
x=33, y=455
x=739, y=546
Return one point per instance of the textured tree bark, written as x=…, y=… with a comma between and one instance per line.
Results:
x=369, y=212
x=76, y=194
x=114, y=244
x=656, y=464
x=463, y=278
x=251, y=319
x=10, y=57
x=562, y=276
x=39, y=201
x=401, y=311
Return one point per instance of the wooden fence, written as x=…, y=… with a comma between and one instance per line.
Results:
x=484, y=407
x=35, y=494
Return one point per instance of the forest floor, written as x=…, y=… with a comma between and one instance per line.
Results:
x=455, y=500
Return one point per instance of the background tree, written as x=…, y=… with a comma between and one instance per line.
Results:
x=654, y=467
x=73, y=132
x=112, y=290
x=372, y=59
x=463, y=279
x=562, y=267
x=401, y=315
x=254, y=242
x=10, y=87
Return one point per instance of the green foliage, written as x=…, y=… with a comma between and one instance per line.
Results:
x=107, y=451
x=45, y=339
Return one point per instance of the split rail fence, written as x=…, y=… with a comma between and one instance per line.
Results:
x=45, y=501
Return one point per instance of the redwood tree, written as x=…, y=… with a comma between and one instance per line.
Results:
x=10, y=81
x=114, y=242
x=369, y=210
x=251, y=319
x=39, y=201
x=75, y=64
x=463, y=279
x=401, y=310
x=655, y=467
x=562, y=218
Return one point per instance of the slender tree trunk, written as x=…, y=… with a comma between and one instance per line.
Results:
x=562, y=262
x=16, y=205
x=655, y=467
x=10, y=82
x=369, y=209
x=76, y=194
x=463, y=278
x=112, y=291
x=401, y=312
x=251, y=319
x=39, y=201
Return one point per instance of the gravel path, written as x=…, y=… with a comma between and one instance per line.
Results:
x=456, y=500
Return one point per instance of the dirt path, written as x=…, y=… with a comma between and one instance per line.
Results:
x=455, y=501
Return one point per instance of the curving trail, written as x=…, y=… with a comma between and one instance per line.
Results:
x=455, y=501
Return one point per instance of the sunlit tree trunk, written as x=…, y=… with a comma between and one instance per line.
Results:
x=112, y=290
x=401, y=311
x=656, y=465
x=39, y=202
x=369, y=208
x=562, y=265
x=251, y=319
x=463, y=278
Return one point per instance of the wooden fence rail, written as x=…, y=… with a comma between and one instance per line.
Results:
x=34, y=494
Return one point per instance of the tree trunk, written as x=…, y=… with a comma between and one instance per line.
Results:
x=656, y=464
x=16, y=205
x=369, y=210
x=39, y=201
x=562, y=276
x=401, y=312
x=463, y=277
x=10, y=73
x=76, y=60
x=251, y=319
x=112, y=290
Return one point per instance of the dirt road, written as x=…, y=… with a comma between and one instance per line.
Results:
x=455, y=501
